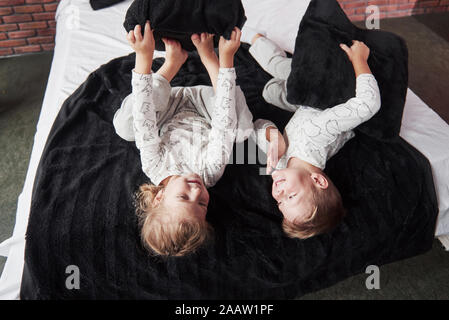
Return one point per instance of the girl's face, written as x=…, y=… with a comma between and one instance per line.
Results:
x=185, y=194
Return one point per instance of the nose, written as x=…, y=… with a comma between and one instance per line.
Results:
x=277, y=188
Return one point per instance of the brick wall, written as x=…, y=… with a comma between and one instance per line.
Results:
x=29, y=25
x=355, y=9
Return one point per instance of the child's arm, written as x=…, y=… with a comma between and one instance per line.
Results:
x=175, y=56
x=366, y=102
x=355, y=111
x=204, y=44
x=144, y=114
x=271, y=57
x=143, y=46
x=270, y=140
x=224, y=117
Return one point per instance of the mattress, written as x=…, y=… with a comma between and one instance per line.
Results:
x=83, y=44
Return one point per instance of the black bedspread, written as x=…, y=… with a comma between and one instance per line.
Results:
x=82, y=209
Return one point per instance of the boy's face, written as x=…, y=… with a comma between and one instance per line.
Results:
x=292, y=189
x=185, y=194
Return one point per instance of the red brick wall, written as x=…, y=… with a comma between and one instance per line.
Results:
x=29, y=25
x=355, y=9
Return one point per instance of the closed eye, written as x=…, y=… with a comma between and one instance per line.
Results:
x=289, y=197
x=183, y=197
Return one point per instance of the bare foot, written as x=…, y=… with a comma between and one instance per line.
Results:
x=204, y=44
x=174, y=53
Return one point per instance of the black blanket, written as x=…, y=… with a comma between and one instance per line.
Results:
x=82, y=209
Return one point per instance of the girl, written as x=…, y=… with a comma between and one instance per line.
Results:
x=185, y=136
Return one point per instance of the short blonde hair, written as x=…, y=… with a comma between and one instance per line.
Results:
x=175, y=238
x=327, y=213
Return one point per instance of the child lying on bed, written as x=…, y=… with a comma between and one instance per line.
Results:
x=185, y=136
x=307, y=198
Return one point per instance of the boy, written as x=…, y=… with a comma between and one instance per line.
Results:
x=307, y=198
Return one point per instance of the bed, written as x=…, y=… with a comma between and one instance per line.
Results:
x=80, y=50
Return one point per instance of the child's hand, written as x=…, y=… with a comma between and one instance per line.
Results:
x=276, y=148
x=174, y=53
x=358, y=52
x=175, y=56
x=228, y=48
x=142, y=45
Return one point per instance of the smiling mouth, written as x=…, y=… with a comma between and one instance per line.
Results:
x=195, y=181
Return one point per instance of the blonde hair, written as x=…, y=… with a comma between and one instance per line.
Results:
x=176, y=237
x=327, y=213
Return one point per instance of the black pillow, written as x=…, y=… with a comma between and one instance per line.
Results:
x=100, y=4
x=179, y=19
x=322, y=76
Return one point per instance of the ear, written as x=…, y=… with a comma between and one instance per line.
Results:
x=158, y=198
x=319, y=180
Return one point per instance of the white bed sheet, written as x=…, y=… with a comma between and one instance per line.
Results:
x=86, y=39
